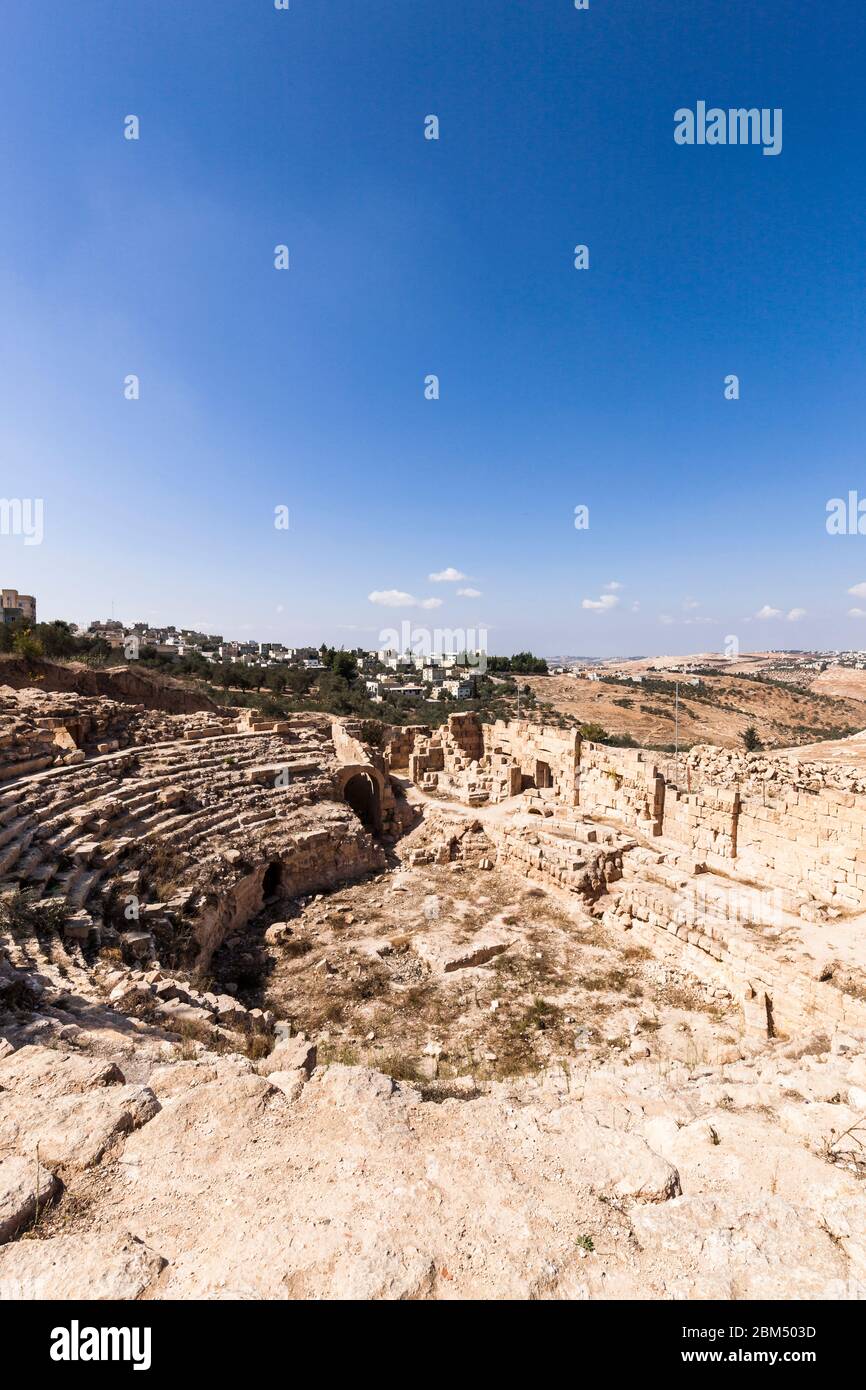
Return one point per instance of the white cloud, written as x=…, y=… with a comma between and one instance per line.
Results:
x=690, y=603
x=635, y=608
x=857, y=612
x=858, y=590
x=601, y=605
x=666, y=619
x=614, y=585
x=468, y=593
x=396, y=598
x=792, y=616
x=392, y=598
x=449, y=576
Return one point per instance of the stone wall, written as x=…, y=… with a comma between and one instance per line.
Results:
x=776, y=995
x=547, y=757
x=797, y=826
x=483, y=763
x=587, y=868
x=621, y=784
x=401, y=745
x=767, y=825
x=310, y=862
x=788, y=824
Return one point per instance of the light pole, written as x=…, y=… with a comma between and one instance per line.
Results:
x=677, y=729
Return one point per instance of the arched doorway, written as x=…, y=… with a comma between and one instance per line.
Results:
x=271, y=881
x=362, y=794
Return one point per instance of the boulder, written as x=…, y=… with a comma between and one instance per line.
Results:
x=291, y=1083
x=25, y=1187
x=290, y=1054
x=277, y=933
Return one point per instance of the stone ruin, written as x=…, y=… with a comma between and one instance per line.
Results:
x=165, y=833
x=749, y=868
x=133, y=1087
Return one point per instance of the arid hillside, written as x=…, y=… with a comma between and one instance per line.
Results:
x=716, y=711
x=839, y=680
x=134, y=684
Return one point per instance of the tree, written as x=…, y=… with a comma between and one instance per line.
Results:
x=528, y=665
x=343, y=664
x=25, y=644
x=298, y=681
x=275, y=679
x=524, y=663
x=751, y=741
x=57, y=638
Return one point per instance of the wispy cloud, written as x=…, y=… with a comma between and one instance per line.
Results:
x=858, y=590
x=601, y=605
x=614, y=585
x=469, y=593
x=699, y=619
x=396, y=598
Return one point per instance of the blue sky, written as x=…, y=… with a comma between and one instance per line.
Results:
x=305, y=388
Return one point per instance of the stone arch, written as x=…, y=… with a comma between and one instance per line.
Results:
x=361, y=789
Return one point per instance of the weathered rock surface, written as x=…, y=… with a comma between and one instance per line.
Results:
x=349, y=1185
x=736, y=1248
x=42, y=1071
x=79, y=1267
x=72, y=1131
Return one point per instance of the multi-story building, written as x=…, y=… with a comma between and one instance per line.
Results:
x=18, y=607
x=459, y=689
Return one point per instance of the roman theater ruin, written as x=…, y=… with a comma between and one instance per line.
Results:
x=310, y=1007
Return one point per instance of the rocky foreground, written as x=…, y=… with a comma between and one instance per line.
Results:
x=223, y=1177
